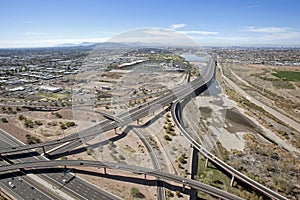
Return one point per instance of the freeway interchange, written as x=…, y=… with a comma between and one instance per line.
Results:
x=172, y=97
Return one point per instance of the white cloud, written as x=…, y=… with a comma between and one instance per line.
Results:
x=158, y=31
x=176, y=26
x=265, y=29
x=273, y=34
x=285, y=38
x=199, y=32
x=282, y=36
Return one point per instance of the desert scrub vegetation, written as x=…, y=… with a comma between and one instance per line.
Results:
x=269, y=165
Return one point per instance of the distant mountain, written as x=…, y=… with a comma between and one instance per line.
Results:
x=83, y=44
x=112, y=44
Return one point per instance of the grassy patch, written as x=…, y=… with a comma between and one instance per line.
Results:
x=283, y=85
x=211, y=175
x=287, y=75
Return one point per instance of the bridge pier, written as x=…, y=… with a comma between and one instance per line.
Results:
x=44, y=152
x=104, y=170
x=206, y=162
x=115, y=130
x=145, y=177
x=183, y=187
x=138, y=121
x=232, y=181
x=22, y=170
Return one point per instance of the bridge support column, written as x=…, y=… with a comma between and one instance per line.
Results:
x=104, y=170
x=232, y=181
x=206, y=162
x=115, y=130
x=145, y=177
x=183, y=187
x=138, y=121
x=22, y=170
x=44, y=152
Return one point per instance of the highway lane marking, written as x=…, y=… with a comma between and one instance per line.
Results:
x=55, y=148
x=16, y=141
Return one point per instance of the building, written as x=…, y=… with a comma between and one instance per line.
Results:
x=16, y=89
x=50, y=88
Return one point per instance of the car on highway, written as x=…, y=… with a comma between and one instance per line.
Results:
x=139, y=171
x=11, y=185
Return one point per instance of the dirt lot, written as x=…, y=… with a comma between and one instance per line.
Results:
x=279, y=94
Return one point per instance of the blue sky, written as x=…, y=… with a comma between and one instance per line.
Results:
x=34, y=23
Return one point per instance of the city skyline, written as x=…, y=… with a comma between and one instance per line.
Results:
x=212, y=23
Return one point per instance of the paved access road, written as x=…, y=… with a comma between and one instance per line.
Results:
x=273, y=112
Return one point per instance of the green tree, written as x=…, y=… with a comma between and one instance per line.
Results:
x=58, y=115
x=121, y=157
x=89, y=151
x=21, y=117
x=70, y=124
x=168, y=138
x=170, y=194
x=9, y=109
x=4, y=120
x=38, y=123
x=136, y=193
x=63, y=126
x=182, y=160
x=178, y=194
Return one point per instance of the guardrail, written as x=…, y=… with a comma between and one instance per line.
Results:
x=129, y=168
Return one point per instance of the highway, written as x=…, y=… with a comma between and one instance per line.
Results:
x=30, y=187
x=126, y=117
x=161, y=194
x=175, y=96
x=24, y=186
x=217, y=162
x=129, y=168
x=132, y=115
x=197, y=85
